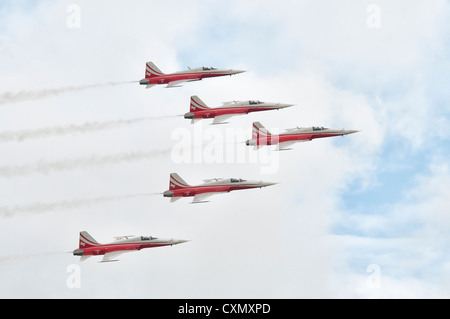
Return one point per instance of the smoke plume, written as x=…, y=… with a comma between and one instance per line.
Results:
x=90, y=127
x=27, y=256
x=10, y=211
x=14, y=97
x=47, y=167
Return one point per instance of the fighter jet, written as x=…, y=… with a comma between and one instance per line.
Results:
x=178, y=188
x=154, y=76
x=261, y=136
x=199, y=110
x=88, y=246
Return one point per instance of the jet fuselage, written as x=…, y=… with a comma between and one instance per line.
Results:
x=219, y=186
x=237, y=109
x=261, y=136
x=154, y=76
x=125, y=243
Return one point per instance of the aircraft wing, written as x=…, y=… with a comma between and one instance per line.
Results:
x=110, y=256
x=179, y=82
x=285, y=145
x=221, y=118
x=175, y=84
x=200, y=198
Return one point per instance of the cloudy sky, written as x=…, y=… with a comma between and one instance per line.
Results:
x=82, y=148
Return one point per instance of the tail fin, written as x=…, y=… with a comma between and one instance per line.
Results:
x=259, y=131
x=197, y=104
x=87, y=240
x=176, y=182
x=151, y=70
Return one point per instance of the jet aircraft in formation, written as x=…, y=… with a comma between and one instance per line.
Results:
x=262, y=137
x=199, y=110
x=154, y=76
x=178, y=188
x=89, y=247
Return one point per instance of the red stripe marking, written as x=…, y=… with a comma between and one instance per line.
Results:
x=88, y=241
x=197, y=104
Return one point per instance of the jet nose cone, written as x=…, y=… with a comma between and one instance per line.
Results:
x=265, y=184
x=351, y=131
x=237, y=71
x=179, y=241
x=282, y=106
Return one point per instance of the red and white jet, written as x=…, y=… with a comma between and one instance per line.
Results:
x=178, y=188
x=88, y=246
x=261, y=136
x=199, y=110
x=154, y=76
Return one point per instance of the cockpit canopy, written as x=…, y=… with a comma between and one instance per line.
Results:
x=237, y=180
x=252, y=102
x=317, y=128
x=208, y=68
x=148, y=238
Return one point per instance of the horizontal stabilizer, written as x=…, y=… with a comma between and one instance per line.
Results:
x=83, y=258
x=174, y=199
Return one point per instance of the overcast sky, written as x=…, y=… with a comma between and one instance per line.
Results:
x=363, y=216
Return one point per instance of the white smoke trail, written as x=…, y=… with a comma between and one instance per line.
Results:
x=45, y=167
x=90, y=127
x=11, y=211
x=20, y=257
x=10, y=97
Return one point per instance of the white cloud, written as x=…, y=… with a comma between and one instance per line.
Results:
x=408, y=241
x=273, y=242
